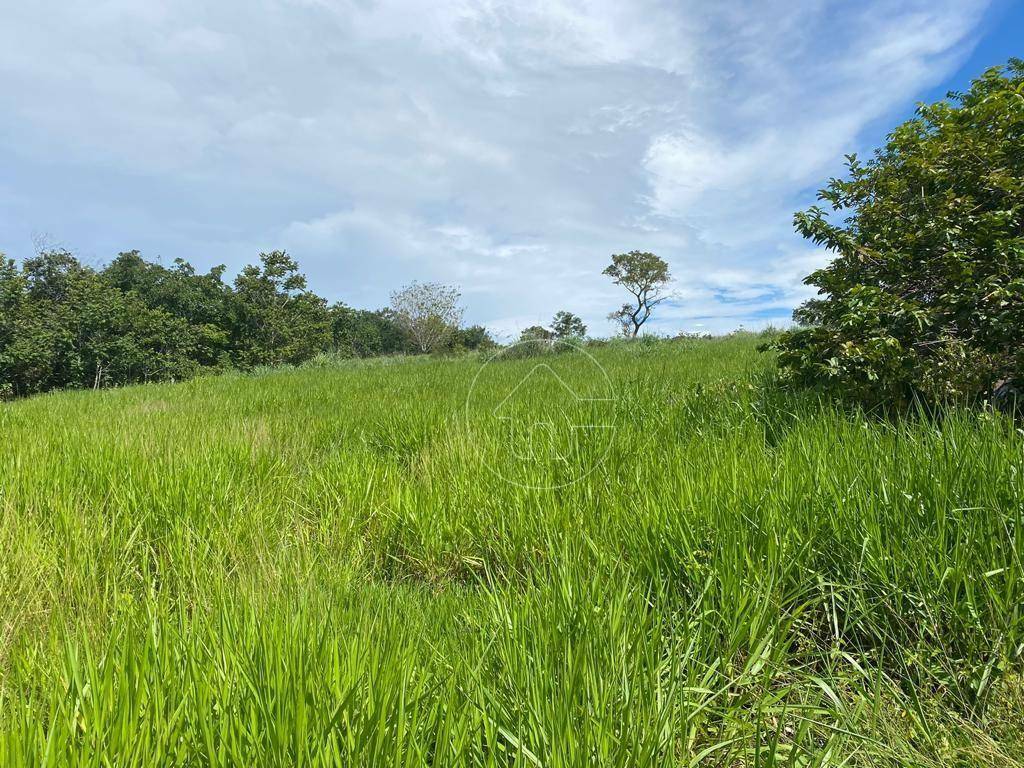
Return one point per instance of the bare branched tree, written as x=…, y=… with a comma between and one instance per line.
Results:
x=428, y=312
x=645, y=276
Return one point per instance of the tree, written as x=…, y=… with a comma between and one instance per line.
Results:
x=70, y=328
x=429, y=313
x=362, y=333
x=204, y=301
x=473, y=337
x=64, y=325
x=536, y=333
x=566, y=325
x=277, y=319
x=12, y=292
x=199, y=298
x=51, y=275
x=645, y=276
x=925, y=295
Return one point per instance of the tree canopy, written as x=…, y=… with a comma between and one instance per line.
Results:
x=535, y=333
x=429, y=312
x=67, y=325
x=925, y=295
x=566, y=325
x=645, y=276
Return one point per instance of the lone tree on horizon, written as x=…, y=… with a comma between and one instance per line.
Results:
x=644, y=275
x=428, y=312
x=566, y=325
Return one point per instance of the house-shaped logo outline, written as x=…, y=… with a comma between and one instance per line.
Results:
x=544, y=368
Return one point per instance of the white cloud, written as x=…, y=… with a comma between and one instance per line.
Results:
x=509, y=147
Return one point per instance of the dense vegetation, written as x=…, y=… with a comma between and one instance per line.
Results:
x=316, y=566
x=925, y=298
x=65, y=325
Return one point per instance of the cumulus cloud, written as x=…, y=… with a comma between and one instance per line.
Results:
x=509, y=147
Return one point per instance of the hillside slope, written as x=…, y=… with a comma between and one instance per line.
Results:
x=644, y=555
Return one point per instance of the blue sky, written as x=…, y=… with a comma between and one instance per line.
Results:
x=508, y=148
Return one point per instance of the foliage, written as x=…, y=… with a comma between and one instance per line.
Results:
x=475, y=337
x=925, y=296
x=365, y=333
x=536, y=333
x=12, y=290
x=64, y=325
x=429, y=313
x=203, y=301
x=317, y=568
x=646, y=277
x=566, y=325
x=276, y=319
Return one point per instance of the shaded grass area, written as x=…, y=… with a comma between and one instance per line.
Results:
x=322, y=567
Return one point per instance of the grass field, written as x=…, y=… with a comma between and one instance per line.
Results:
x=350, y=564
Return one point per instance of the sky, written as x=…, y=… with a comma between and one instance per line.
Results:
x=508, y=148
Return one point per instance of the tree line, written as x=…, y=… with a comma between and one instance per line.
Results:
x=66, y=325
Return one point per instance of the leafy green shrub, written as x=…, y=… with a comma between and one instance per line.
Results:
x=475, y=337
x=365, y=333
x=925, y=298
x=531, y=347
x=536, y=333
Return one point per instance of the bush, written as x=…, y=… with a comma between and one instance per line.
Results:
x=475, y=337
x=925, y=298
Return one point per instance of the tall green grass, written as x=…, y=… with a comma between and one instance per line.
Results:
x=320, y=567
